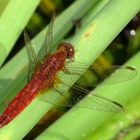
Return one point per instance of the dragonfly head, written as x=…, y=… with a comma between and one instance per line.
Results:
x=68, y=48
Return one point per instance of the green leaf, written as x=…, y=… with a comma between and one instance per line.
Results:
x=78, y=123
x=14, y=15
x=15, y=79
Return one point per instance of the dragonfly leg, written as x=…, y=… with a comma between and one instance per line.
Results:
x=67, y=71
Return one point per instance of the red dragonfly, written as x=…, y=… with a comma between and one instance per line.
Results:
x=44, y=74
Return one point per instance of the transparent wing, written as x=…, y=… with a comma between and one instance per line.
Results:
x=33, y=59
x=80, y=95
x=46, y=46
x=59, y=97
x=97, y=102
x=101, y=72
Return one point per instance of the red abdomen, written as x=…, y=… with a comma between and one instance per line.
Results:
x=20, y=101
x=44, y=78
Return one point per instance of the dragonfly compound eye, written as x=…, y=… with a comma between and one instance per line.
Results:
x=68, y=48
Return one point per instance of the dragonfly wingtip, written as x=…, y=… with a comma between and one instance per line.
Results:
x=130, y=68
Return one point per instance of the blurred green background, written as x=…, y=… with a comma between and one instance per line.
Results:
x=114, y=41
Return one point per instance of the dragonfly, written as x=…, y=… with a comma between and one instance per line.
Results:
x=44, y=74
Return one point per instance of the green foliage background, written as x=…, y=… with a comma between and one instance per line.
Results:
x=102, y=21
